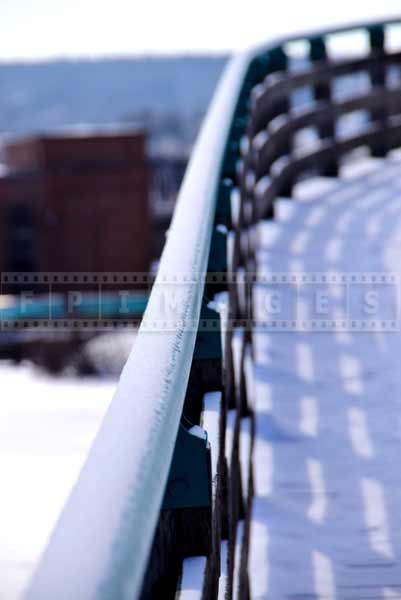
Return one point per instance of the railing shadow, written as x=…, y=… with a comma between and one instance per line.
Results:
x=328, y=409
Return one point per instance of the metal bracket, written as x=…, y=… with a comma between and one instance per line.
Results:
x=278, y=60
x=223, y=208
x=318, y=49
x=376, y=37
x=189, y=481
x=217, y=266
x=208, y=340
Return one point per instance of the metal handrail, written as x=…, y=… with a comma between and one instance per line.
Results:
x=101, y=543
x=111, y=514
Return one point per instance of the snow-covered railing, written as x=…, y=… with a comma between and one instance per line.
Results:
x=101, y=544
x=244, y=157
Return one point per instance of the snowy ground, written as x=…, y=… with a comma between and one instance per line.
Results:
x=327, y=517
x=46, y=428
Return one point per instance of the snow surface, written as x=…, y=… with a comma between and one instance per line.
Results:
x=46, y=428
x=327, y=515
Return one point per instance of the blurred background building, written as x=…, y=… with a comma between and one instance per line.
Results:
x=92, y=155
x=75, y=203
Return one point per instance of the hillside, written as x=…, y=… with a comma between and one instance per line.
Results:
x=39, y=97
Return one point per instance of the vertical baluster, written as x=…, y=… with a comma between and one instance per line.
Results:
x=378, y=79
x=279, y=62
x=322, y=92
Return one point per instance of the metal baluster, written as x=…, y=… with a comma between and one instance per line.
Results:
x=322, y=92
x=378, y=77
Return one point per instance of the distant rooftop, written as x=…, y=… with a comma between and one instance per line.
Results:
x=82, y=130
x=78, y=146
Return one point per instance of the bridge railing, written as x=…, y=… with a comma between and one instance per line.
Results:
x=154, y=489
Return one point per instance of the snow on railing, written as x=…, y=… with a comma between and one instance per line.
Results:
x=100, y=546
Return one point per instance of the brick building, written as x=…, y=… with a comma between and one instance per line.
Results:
x=75, y=203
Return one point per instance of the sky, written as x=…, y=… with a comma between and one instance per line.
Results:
x=40, y=29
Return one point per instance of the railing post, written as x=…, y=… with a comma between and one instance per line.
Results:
x=378, y=74
x=206, y=373
x=189, y=484
x=322, y=92
x=185, y=525
x=279, y=63
x=223, y=208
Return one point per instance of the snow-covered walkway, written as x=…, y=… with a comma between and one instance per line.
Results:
x=327, y=516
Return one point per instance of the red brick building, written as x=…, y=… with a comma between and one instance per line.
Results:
x=75, y=203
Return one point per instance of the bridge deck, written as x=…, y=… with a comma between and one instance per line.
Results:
x=327, y=516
